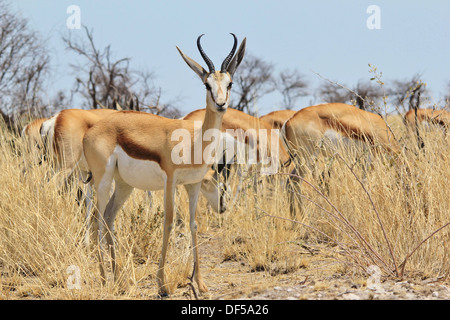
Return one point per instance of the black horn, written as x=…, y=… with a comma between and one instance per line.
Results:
x=204, y=56
x=227, y=60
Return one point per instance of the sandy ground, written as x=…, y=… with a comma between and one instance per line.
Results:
x=320, y=277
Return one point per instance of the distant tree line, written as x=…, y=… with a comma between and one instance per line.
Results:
x=102, y=81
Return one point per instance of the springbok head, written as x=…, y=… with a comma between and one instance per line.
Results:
x=217, y=83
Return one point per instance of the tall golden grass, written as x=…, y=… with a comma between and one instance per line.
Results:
x=393, y=214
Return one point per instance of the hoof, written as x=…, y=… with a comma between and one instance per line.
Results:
x=202, y=287
x=163, y=295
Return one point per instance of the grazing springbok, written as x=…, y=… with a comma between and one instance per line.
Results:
x=32, y=133
x=33, y=143
x=238, y=128
x=140, y=150
x=278, y=117
x=62, y=137
x=335, y=123
x=321, y=128
x=428, y=117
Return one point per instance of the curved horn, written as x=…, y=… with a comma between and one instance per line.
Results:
x=204, y=56
x=227, y=60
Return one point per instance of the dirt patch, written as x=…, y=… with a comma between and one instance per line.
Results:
x=321, y=278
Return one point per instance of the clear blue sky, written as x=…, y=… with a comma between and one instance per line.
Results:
x=328, y=37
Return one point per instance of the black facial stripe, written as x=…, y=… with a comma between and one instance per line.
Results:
x=212, y=96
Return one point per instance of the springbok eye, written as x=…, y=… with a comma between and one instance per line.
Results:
x=230, y=85
x=207, y=86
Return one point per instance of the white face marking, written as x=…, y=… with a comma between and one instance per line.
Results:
x=190, y=176
x=211, y=192
x=215, y=192
x=220, y=87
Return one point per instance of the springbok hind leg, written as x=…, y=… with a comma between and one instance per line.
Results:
x=103, y=188
x=121, y=193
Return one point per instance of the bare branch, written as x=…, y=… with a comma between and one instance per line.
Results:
x=292, y=85
x=24, y=64
x=251, y=83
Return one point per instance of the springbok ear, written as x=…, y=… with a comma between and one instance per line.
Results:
x=237, y=58
x=198, y=69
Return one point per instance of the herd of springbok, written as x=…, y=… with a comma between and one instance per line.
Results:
x=129, y=149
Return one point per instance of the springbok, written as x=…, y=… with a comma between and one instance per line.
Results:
x=136, y=150
x=237, y=127
x=333, y=123
x=32, y=133
x=277, y=118
x=427, y=117
x=321, y=128
x=62, y=137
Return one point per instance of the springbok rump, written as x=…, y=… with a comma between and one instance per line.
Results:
x=277, y=118
x=63, y=136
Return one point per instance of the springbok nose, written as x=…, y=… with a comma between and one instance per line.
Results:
x=220, y=104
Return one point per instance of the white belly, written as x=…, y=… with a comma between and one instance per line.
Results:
x=141, y=174
x=337, y=139
x=148, y=175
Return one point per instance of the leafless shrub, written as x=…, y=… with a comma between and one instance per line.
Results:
x=104, y=81
x=24, y=65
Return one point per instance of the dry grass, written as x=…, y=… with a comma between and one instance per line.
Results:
x=42, y=230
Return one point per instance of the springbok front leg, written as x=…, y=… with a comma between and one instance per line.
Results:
x=193, y=191
x=169, y=194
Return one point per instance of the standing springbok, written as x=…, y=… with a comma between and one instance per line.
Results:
x=61, y=138
x=136, y=151
x=322, y=128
